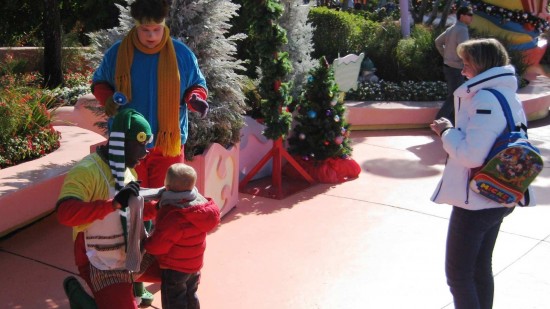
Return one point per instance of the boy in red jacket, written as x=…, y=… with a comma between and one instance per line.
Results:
x=179, y=237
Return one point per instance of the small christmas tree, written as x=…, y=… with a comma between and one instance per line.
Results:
x=320, y=139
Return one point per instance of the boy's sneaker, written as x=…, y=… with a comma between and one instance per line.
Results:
x=144, y=298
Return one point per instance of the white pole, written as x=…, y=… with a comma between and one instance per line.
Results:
x=405, y=18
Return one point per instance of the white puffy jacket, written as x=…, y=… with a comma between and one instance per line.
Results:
x=479, y=121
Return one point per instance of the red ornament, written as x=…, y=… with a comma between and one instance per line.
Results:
x=528, y=26
x=277, y=85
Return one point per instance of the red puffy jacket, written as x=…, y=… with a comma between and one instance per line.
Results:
x=179, y=238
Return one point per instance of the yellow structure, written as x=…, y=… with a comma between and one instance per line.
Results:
x=520, y=22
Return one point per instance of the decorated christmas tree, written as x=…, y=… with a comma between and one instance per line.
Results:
x=320, y=140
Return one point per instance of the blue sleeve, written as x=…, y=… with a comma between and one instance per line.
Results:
x=190, y=73
x=106, y=70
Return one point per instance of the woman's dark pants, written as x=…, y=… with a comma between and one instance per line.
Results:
x=468, y=264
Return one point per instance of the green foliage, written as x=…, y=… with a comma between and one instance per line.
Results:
x=275, y=65
x=340, y=33
x=337, y=32
x=417, y=56
x=10, y=65
x=399, y=91
x=321, y=131
x=380, y=47
x=253, y=99
x=25, y=125
x=243, y=23
x=25, y=128
x=379, y=14
x=21, y=21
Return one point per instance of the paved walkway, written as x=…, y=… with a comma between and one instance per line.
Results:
x=374, y=242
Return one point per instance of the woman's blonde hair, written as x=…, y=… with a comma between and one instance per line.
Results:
x=483, y=54
x=180, y=177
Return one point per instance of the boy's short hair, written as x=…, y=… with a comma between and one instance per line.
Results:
x=181, y=177
x=464, y=10
x=149, y=11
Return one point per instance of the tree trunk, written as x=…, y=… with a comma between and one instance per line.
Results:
x=445, y=13
x=418, y=17
x=53, y=74
x=433, y=14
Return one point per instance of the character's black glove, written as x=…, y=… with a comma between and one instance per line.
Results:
x=200, y=105
x=132, y=188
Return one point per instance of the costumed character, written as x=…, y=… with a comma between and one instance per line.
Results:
x=159, y=77
x=100, y=200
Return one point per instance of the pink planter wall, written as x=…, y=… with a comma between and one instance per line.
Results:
x=29, y=191
x=218, y=175
x=253, y=147
x=80, y=115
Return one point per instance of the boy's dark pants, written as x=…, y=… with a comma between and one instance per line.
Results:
x=179, y=290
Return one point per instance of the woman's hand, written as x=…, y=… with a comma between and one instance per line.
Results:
x=440, y=125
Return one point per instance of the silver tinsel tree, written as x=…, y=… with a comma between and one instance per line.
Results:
x=103, y=39
x=300, y=42
x=203, y=26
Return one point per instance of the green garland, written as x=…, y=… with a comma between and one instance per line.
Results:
x=275, y=66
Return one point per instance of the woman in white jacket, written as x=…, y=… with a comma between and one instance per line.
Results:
x=475, y=220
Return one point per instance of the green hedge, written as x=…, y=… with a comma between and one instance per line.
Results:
x=337, y=32
x=418, y=58
x=396, y=59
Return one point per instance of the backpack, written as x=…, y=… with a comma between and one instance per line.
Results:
x=511, y=165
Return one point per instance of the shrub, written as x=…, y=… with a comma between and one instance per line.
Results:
x=337, y=32
x=379, y=14
x=417, y=56
x=401, y=91
x=380, y=47
x=25, y=126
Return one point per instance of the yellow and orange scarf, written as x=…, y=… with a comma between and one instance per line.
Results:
x=168, y=137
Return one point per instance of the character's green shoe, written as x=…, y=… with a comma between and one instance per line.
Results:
x=141, y=292
x=78, y=297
